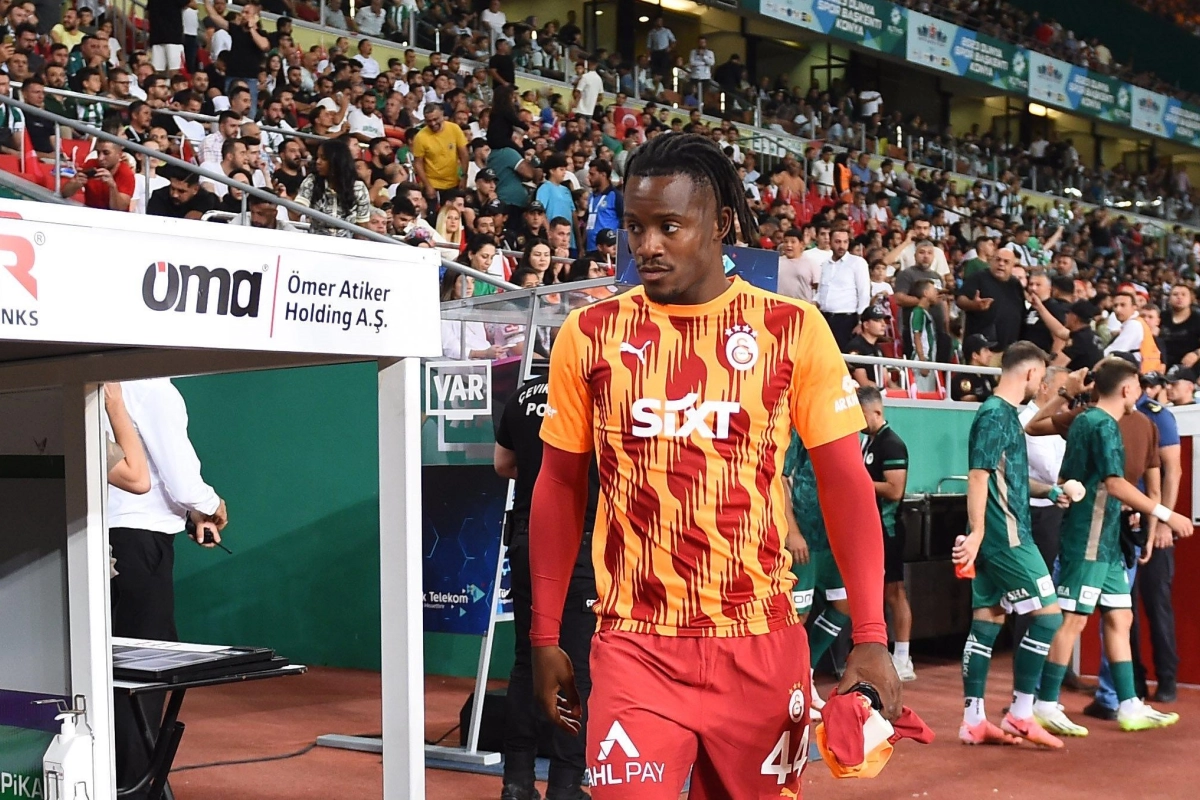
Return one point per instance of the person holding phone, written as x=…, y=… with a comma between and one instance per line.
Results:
x=108, y=182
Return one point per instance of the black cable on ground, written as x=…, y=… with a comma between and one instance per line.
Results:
x=282, y=757
x=443, y=737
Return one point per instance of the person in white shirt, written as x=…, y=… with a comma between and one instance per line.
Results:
x=1019, y=247
x=219, y=40
x=147, y=183
x=1133, y=330
x=370, y=19
x=870, y=103
x=845, y=288
x=370, y=67
x=142, y=531
x=700, y=66
x=365, y=122
x=493, y=20
x=589, y=86
x=822, y=172
x=905, y=254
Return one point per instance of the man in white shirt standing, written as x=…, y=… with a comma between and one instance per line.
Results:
x=142, y=531
x=588, y=87
x=845, y=288
x=494, y=20
x=370, y=19
x=822, y=172
x=370, y=67
x=700, y=67
x=870, y=103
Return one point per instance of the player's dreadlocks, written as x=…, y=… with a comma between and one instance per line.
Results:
x=702, y=160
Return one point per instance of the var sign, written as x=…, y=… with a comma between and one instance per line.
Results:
x=458, y=389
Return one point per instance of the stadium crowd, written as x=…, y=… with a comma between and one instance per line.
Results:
x=526, y=186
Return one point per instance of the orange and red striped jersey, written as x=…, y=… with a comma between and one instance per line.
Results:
x=689, y=410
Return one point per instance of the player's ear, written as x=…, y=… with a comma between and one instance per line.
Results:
x=724, y=223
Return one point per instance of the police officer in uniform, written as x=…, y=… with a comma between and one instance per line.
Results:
x=518, y=455
x=972, y=387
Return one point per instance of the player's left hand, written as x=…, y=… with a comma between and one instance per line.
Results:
x=872, y=663
x=795, y=544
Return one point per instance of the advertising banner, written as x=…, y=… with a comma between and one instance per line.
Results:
x=80, y=275
x=462, y=511
x=873, y=24
x=1149, y=112
x=25, y=733
x=1077, y=89
x=946, y=47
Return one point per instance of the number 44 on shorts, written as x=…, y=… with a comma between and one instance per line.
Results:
x=780, y=763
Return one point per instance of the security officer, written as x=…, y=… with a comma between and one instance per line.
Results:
x=518, y=455
x=1154, y=578
x=968, y=386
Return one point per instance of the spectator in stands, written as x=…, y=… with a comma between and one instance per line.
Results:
x=465, y=339
x=501, y=66
x=588, y=88
x=233, y=159
x=248, y=42
x=971, y=387
x=1044, y=320
x=370, y=21
x=925, y=333
x=67, y=32
x=370, y=67
x=660, y=43
x=89, y=81
x=845, y=288
x=183, y=198
x=536, y=257
x=43, y=133
x=165, y=18
x=12, y=122
x=440, y=155
x=1181, y=327
x=108, y=185
x=994, y=302
x=1135, y=335
x=700, y=67
x=365, y=122
x=554, y=197
x=334, y=188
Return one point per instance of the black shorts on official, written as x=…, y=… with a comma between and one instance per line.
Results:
x=893, y=556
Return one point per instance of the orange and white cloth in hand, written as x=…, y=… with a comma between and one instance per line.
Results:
x=856, y=741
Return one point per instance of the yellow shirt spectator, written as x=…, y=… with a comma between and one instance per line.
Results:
x=63, y=36
x=439, y=150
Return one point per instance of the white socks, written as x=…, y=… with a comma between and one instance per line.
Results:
x=973, y=711
x=1022, y=705
x=900, y=652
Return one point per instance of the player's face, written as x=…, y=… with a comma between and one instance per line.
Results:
x=675, y=235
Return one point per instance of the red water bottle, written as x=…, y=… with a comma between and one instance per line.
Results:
x=964, y=572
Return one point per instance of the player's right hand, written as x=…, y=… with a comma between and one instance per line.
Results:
x=552, y=672
x=966, y=548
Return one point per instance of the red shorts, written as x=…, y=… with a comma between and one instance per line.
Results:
x=735, y=708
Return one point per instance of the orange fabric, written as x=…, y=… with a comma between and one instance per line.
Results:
x=840, y=736
x=1151, y=357
x=689, y=532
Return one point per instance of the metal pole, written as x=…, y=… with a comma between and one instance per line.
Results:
x=242, y=219
x=757, y=110
x=57, y=167
x=327, y=219
x=910, y=149
x=412, y=29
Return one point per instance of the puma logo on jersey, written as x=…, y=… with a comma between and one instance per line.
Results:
x=653, y=417
x=640, y=352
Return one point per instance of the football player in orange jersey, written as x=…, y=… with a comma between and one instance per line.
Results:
x=685, y=391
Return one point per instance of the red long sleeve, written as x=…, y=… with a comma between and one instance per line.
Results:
x=847, y=498
x=555, y=532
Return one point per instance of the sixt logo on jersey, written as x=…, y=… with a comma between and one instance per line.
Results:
x=655, y=417
x=237, y=293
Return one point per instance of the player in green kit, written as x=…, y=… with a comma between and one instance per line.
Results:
x=1091, y=569
x=1010, y=575
x=820, y=572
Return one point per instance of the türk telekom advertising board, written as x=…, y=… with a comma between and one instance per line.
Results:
x=78, y=275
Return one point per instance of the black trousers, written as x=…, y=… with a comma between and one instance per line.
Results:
x=143, y=607
x=1046, y=524
x=843, y=326
x=1153, y=583
x=524, y=718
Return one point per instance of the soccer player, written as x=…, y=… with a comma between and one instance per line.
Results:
x=686, y=389
x=886, y=457
x=1010, y=575
x=821, y=573
x=1091, y=570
